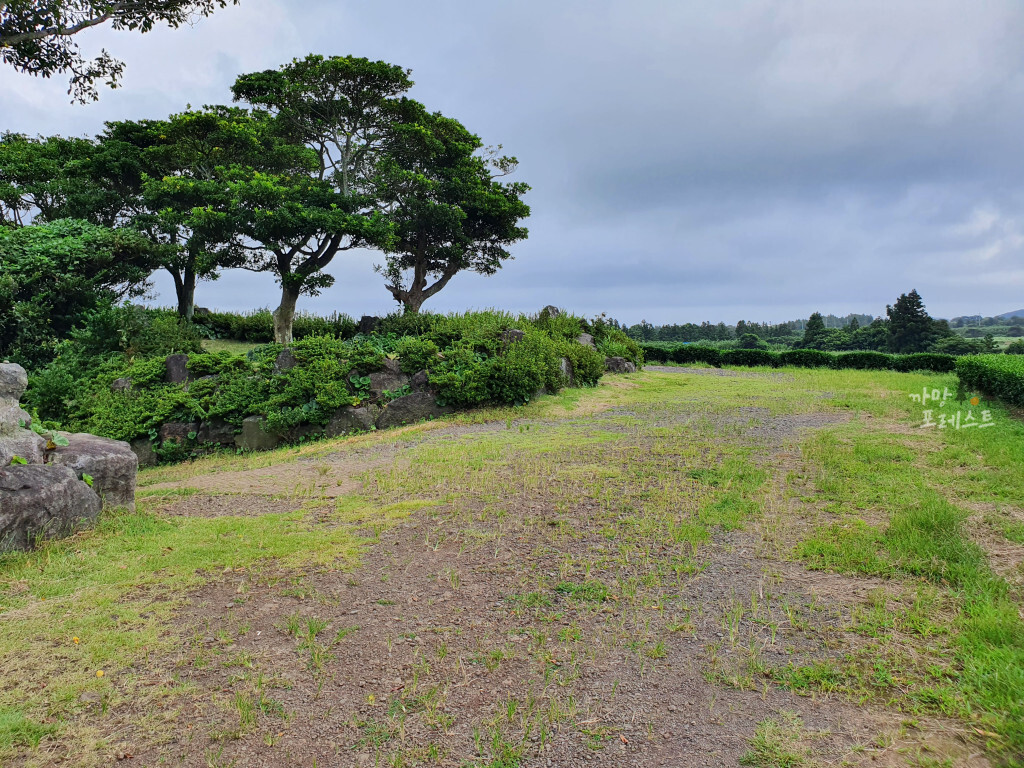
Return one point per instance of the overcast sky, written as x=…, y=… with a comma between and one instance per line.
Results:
x=689, y=160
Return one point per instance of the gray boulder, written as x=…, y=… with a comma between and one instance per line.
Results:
x=512, y=336
x=390, y=379
x=350, y=419
x=420, y=381
x=216, y=432
x=13, y=381
x=551, y=310
x=368, y=324
x=111, y=464
x=12, y=416
x=122, y=384
x=23, y=443
x=618, y=365
x=142, y=447
x=177, y=369
x=42, y=501
x=254, y=438
x=586, y=340
x=411, y=408
x=285, y=361
x=565, y=367
x=179, y=431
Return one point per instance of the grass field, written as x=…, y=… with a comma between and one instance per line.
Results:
x=227, y=345
x=757, y=567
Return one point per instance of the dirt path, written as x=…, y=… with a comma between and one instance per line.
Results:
x=522, y=617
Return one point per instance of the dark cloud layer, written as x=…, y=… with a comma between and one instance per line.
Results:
x=689, y=160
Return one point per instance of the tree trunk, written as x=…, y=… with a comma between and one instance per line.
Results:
x=185, y=290
x=284, y=315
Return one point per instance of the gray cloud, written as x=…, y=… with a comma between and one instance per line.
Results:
x=689, y=160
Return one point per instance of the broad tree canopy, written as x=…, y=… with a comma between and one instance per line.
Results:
x=36, y=35
x=346, y=109
x=450, y=211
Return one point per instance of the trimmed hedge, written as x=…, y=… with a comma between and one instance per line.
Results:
x=750, y=357
x=808, y=358
x=685, y=354
x=925, y=361
x=1000, y=376
x=694, y=353
x=865, y=361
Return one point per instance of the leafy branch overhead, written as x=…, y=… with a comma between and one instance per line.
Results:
x=36, y=36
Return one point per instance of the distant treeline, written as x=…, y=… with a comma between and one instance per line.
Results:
x=907, y=328
x=783, y=333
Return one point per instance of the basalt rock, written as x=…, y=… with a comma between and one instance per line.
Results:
x=390, y=379
x=13, y=381
x=586, y=340
x=254, y=438
x=350, y=419
x=110, y=463
x=39, y=501
x=142, y=447
x=368, y=324
x=565, y=367
x=177, y=369
x=12, y=416
x=285, y=361
x=512, y=336
x=24, y=444
x=179, y=431
x=618, y=365
x=411, y=408
x=420, y=381
x=216, y=432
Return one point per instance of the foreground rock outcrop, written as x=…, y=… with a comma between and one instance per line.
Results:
x=41, y=501
x=51, y=485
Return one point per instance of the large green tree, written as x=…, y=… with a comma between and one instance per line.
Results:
x=37, y=36
x=911, y=328
x=346, y=109
x=50, y=178
x=178, y=179
x=53, y=274
x=451, y=213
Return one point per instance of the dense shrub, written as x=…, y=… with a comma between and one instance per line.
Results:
x=408, y=324
x=958, y=345
x=1015, y=347
x=415, y=354
x=587, y=363
x=808, y=358
x=696, y=353
x=925, y=361
x=749, y=357
x=612, y=341
x=258, y=326
x=470, y=360
x=657, y=351
x=750, y=341
x=999, y=376
x=865, y=361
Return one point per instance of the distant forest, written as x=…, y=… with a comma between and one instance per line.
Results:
x=906, y=327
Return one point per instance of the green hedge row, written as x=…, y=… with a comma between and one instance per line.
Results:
x=999, y=376
x=800, y=358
